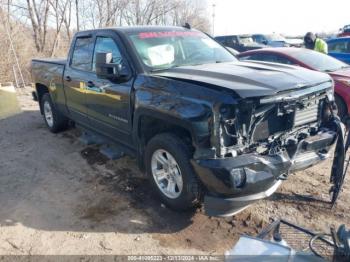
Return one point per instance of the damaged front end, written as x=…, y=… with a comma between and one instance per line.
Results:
x=258, y=142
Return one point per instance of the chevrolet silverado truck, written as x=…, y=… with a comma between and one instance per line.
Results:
x=205, y=127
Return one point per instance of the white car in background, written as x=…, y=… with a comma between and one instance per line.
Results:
x=277, y=40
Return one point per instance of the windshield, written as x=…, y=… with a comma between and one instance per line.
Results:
x=168, y=49
x=320, y=62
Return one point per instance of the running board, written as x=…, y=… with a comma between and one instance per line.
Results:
x=89, y=138
x=112, y=152
x=107, y=147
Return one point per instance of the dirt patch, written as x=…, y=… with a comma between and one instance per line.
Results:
x=172, y=229
x=93, y=156
x=215, y=235
x=103, y=209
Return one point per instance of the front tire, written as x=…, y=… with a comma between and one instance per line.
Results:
x=167, y=161
x=342, y=108
x=54, y=119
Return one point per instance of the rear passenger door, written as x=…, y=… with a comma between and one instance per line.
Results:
x=78, y=69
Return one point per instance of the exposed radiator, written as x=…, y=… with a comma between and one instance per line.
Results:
x=308, y=114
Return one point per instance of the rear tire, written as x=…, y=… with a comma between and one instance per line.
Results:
x=167, y=161
x=54, y=120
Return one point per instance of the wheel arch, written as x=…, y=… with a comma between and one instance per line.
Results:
x=149, y=124
x=41, y=89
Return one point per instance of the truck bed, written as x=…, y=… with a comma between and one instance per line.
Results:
x=49, y=73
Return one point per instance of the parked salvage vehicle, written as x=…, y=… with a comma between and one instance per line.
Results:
x=200, y=123
x=240, y=43
x=276, y=40
x=339, y=48
x=345, y=31
x=339, y=71
x=273, y=40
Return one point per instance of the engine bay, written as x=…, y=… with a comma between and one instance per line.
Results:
x=268, y=127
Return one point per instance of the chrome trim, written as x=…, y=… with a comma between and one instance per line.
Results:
x=259, y=195
x=293, y=95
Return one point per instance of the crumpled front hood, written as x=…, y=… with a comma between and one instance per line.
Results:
x=248, y=79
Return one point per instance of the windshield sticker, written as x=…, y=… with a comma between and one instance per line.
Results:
x=145, y=35
x=161, y=55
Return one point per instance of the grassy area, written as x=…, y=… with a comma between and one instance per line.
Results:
x=8, y=102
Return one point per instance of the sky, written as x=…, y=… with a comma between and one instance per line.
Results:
x=291, y=17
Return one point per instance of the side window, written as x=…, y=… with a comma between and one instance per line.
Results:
x=258, y=38
x=107, y=45
x=283, y=60
x=82, y=53
x=340, y=47
x=268, y=58
x=250, y=57
x=256, y=57
x=226, y=40
x=234, y=40
x=220, y=39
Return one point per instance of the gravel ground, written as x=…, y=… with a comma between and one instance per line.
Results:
x=61, y=197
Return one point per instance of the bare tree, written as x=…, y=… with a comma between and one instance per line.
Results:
x=67, y=19
x=148, y=12
x=77, y=14
x=38, y=12
x=45, y=27
x=59, y=11
x=193, y=12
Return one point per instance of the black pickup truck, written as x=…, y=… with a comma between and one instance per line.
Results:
x=204, y=126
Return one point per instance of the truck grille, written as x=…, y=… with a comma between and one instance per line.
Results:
x=307, y=114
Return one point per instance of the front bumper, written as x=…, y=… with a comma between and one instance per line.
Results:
x=263, y=174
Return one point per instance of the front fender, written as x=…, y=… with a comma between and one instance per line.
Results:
x=344, y=92
x=190, y=117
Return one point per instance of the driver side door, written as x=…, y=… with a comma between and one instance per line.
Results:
x=108, y=101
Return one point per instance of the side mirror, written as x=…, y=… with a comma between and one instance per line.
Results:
x=105, y=68
x=264, y=42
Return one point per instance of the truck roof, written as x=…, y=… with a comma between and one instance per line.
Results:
x=137, y=29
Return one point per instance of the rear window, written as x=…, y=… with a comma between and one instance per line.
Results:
x=318, y=61
x=273, y=58
x=82, y=54
x=339, y=47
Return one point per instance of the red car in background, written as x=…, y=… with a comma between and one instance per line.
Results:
x=345, y=31
x=339, y=71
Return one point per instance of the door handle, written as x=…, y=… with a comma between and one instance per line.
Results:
x=68, y=78
x=91, y=86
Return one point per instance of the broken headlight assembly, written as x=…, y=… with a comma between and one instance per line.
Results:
x=273, y=124
x=238, y=177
